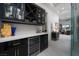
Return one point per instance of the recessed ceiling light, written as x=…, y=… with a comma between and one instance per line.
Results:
x=63, y=8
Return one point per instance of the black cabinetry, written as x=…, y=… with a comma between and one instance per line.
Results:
x=40, y=15
x=33, y=45
x=25, y=13
x=23, y=47
x=12, y=12
x=1, y=10
x=30, y=13
x=34, y=14
x=20, y=47
x=5, y=49
x=14, y=48
x=43, y=42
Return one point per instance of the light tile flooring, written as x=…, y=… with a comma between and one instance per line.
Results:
x=60, y=47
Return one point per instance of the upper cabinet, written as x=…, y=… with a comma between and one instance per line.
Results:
x=30, y=13
x=9, y=11
x=40, y=15
x=19, y=11
x=27, y=13
x=12, y=12
x=34, y=14
x=1, y=10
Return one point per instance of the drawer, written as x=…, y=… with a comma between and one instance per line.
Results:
x=19, y=42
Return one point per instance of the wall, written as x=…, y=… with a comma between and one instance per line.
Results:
x=25, y=29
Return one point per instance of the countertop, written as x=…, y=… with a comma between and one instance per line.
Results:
x=19, y=37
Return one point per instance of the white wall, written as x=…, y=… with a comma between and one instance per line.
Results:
x=22, y=29
x=52, y=17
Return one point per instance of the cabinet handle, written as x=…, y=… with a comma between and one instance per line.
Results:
x=16, y=44
x=17, y=52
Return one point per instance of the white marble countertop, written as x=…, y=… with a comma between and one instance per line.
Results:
x=19, y=37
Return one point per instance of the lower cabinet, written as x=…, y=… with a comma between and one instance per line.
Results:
x=4, y=49
x=20, y=47
x=14, y=48
x=43, y=42
x=24, y=47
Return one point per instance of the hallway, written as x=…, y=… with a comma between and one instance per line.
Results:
x=58, y=48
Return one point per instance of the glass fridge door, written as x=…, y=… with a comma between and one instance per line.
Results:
x=75, y=29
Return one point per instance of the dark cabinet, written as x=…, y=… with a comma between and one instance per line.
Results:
x=19, y=11
x=23, y=47
x=33, y=45
x=9, y=11
x=40, y=15
x=20, y=47
x=30, y=13
x=6, y=49
x=34, y=14
x=1, y=10
x=25, y=13
x=43, y=42
x=12, y=12
x=14, y=48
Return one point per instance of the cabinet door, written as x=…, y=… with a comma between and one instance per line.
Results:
x=43, y=42
x=43, y=15
x=11, y=51
x=40, y=15
x=30, y=13
x=1, y=11
x=23, y=49
x=3, y=49
x=6, y=49
x=19, y=11
x=20, y=47
x=10, y=11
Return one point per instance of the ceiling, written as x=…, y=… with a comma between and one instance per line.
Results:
x=63, y=10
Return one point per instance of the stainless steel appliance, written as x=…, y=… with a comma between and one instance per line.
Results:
x=33, y=46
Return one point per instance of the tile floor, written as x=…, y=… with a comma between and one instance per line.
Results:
x=60, y=47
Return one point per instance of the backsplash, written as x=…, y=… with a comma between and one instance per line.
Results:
x=22, y=29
